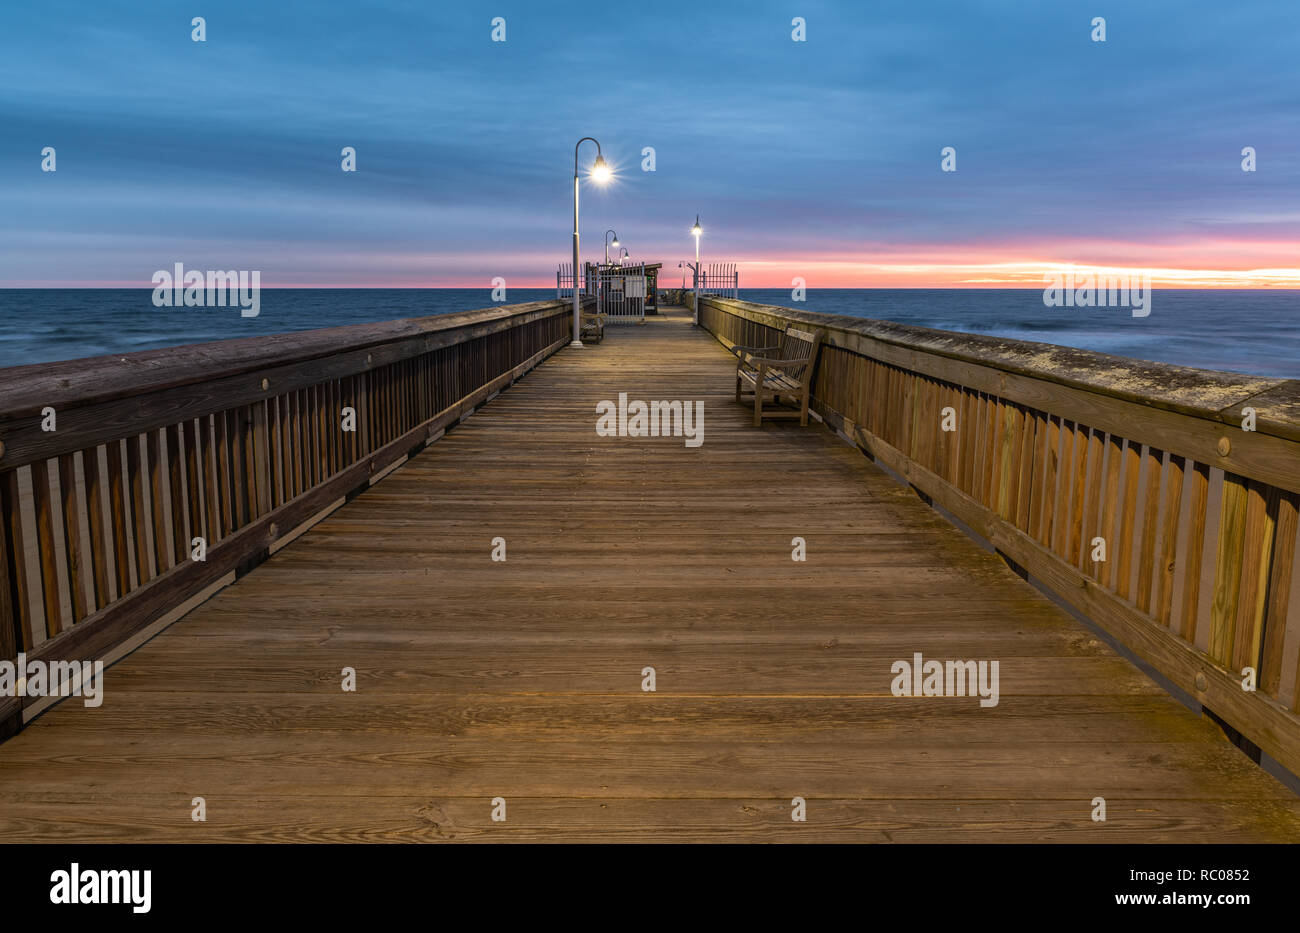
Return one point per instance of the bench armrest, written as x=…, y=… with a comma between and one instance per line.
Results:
x=774, y=363
x=743, y=351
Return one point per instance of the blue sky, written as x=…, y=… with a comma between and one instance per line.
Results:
x=822, y=156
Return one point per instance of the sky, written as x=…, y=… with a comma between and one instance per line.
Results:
x=819, y=159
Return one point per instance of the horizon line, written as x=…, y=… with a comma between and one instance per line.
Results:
x=760, y=287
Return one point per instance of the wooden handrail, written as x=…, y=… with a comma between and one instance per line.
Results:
x=1047, y=451
x=112, y=467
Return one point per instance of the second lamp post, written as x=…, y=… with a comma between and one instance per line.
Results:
x=600, y=175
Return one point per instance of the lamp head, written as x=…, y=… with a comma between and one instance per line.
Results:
x=600, y=170
x=696, y=231
x=615, y=241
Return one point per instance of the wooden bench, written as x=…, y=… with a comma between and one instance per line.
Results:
x=771, y=374
x=593, y=325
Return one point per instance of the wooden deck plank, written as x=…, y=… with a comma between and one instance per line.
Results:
x=610, y=819
x=522, y=679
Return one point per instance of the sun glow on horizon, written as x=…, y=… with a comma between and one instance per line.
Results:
x=918, y=268
x=1018, y=274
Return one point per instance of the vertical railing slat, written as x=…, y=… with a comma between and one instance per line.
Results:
x=1153, y=471
x=194, y=482
x=1227, y=568
x=72, y=555
x=101, y=544
x=118, y=503
x=1252, y=590
x=43, y=504
x=17, y=598
x=1172, y=552
x=180, y=513
x=1281, y=589
x=157, y=507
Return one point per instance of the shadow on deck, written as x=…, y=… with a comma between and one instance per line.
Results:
x=523, y=679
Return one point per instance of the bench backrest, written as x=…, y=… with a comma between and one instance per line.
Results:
x=800, y=344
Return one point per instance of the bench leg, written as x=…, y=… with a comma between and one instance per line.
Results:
x=803, y=412
x=737, y=388
x=758, y=407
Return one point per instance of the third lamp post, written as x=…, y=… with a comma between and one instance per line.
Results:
x=695, y=232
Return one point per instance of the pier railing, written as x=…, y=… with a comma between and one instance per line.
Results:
x=113, y=468
x=1158, y=501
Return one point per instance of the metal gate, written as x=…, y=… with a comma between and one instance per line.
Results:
x=721, y=279
x=622, y=291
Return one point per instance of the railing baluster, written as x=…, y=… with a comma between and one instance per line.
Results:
x=101, y=545
x=1227, y=568
x=1094, y=506
x=1282, y=586
x=42, y=500
x=119, y=495
x=1252, y=590
x=218, y=522
x=194, y=484
x=1153, y=471
x=275, y=452
x=180, y=513
x=16, y=596
x=157, y=507
x=1171, y=549
x=72, y=536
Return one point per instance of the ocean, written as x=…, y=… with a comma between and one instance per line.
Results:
x=1247, y=331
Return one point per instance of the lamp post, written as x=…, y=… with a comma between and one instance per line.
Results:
x=695, y=231
x=600, y=175
x=607, y=233
x=626, y=255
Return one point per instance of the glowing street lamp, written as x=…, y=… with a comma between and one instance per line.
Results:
x=626, y=255
x=600, y=174
x=607, y=244
x=695, y=232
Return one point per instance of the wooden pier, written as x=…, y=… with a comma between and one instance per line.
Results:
x=522, y=679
